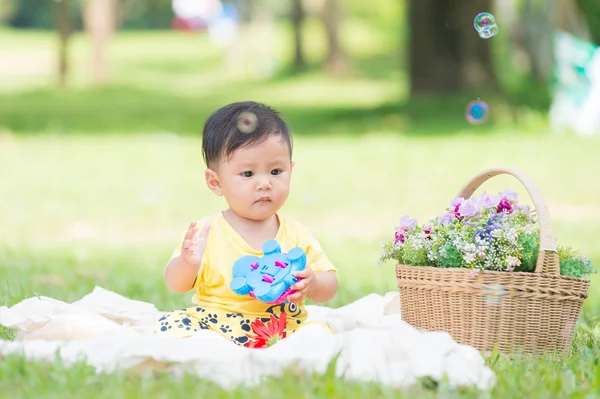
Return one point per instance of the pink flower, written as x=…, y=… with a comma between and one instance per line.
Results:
x=468, y=208
x=505, y=206
x=487, y=201
x=509, y=195
x=399, y=236
x=454, y=205
x=427, y=232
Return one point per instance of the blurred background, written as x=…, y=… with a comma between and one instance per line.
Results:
x=102, y=104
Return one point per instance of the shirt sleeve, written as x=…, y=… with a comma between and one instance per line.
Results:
x=316, y=258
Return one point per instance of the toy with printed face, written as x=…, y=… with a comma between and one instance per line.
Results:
x=268, y=278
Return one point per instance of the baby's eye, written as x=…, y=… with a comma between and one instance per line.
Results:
x=276, y=172
x=247, y=173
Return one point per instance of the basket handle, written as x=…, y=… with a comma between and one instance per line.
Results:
x=547, y=261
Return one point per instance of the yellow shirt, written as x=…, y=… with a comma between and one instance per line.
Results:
x=224, y=246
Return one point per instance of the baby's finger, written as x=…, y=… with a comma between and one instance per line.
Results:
x=191, y=230
x=303, y=273
x=295, y=297
x=204, y=232
x=299, y=286
x=187, y=244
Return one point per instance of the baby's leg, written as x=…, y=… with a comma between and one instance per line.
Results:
x=180, y=324
x=313, y=324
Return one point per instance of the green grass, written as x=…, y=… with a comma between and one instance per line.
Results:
x=98, y=185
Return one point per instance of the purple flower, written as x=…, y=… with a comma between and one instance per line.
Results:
x=486, y=232
x=509, y=195
x=446, y=217
x=505, y=206
x=468, y=208
x=407, y=223
x=456, y=201
x=487, y=201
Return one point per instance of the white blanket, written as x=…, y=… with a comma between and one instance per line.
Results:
x=111, y=332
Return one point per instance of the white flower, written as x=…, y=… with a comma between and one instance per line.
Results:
x=512, y=234
x=469, y=257
x=511, y=263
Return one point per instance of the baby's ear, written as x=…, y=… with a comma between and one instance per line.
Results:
x=293, y=163
x=212, y=181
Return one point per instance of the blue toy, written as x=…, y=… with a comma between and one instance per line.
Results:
x=268, y=278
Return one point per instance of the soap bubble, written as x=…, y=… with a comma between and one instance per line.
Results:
x=247, y=122
x=490, y=32
x=476, y=112
x=494, y=294
x=484, y=20
x=485, y=25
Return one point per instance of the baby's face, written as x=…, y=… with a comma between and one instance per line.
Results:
x=256, y=180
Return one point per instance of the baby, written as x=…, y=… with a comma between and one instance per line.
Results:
x=247, y=149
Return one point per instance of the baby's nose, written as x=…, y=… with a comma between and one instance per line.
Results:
x=264, y=183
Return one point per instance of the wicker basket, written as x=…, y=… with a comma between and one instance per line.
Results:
x=529, y=312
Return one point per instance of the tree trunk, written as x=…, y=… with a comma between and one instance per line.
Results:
x=298, y=16
x=446, y=53
x=100, y=22
x=64, y=33
x=538, y=21
x=476, y=63
x=433, y=48
x=571, y=20
x=335, y=62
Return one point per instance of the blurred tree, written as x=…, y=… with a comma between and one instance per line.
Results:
x=590, y=11
x=100, y=23
x=538, y=21
x=64, y=33
x=446, y=53
x=297, y=17
x=570, y=19
x=336, y=62
x=35, y=14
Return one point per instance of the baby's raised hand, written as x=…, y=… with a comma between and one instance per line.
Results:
x=193, y=246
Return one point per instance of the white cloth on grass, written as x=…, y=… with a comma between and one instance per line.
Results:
x=372, y=343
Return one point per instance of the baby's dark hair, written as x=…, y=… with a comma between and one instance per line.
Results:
x=240, y=124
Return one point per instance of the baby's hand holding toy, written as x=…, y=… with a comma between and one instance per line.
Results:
x=306, y=278
x=270, y=278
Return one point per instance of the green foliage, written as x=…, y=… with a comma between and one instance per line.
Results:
x=590, y=11
x=452, y=257
x=530, y=244
x=414, y=253
x=573, y=264
x=6, y=334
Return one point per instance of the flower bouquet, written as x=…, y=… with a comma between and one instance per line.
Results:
x=488, y=232
x=488, y=271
